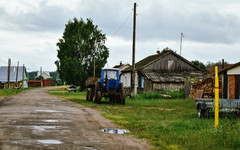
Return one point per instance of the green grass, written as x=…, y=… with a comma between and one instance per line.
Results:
x=167, y=123
x=9, y=92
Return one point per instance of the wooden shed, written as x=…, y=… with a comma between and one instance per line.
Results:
x=165, y=70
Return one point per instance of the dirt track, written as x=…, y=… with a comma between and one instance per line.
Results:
x=37, y=120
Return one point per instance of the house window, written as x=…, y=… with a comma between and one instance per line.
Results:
x=125, y=81
x=142, y=82
x=170, y=64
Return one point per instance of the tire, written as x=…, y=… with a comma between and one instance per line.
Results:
x=91, y=94
x=199, y=113
x=97, y=93
x=202, y=108
x=87, y=95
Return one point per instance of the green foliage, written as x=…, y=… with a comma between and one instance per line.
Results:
x=76, y=49
x=160, y=94
x=212, y=64
x=9, y=92
x=32, y=75
x=39, y=78
x=199, y=65
x=167, y=123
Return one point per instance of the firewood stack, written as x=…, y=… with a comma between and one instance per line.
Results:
x=208, y=87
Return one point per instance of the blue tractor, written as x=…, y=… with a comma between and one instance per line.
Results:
x=108, y=86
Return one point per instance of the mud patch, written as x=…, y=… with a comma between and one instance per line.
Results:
x=115, y=131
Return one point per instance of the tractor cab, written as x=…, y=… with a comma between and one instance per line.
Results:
x=110, y=79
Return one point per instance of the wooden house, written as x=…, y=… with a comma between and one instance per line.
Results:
x=164, y=71
x=231, y=81
x=126, y=77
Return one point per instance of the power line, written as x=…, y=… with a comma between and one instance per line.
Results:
x=123, y=24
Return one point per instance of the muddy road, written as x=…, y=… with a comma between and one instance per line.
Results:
x=37, y=120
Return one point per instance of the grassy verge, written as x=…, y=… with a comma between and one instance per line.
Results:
x=9, y=92
x=167, y=123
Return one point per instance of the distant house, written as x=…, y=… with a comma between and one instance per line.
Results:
x=162, y=71
x=231, y=81
x=46, y=81
x=45, y=75
x=21, y=75
x=124, y=78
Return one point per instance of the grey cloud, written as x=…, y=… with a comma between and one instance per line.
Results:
x=45, y=18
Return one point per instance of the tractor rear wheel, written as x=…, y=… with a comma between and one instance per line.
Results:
x=87, y=95
x=91, y=94
x=97, y=93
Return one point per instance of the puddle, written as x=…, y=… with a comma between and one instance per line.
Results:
x=50, y=141
x=115, y=131
x=47, y=110
x=34, y=142
x=49, y=120
x=42, y=128
x=39, y=128
x=90, y=148
x=56, y=100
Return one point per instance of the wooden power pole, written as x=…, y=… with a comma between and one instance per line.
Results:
x=41, y=76
x=181, y=43
x=9, y=70
x=95, y=47
x=133, y=51
x=17, y=74
x=23, y=77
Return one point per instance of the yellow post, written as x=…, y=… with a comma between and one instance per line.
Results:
x=216, y=97
x=55, y=85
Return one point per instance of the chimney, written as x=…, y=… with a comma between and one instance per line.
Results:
x=158, y=52
x=222, y=63
x=121, y=63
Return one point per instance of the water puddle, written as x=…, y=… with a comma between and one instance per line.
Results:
x=50, y=141
x=90, y=148
x=56, y=100
x=49, y=120
x=42, y=128
x=115, y=131
x=47, y=110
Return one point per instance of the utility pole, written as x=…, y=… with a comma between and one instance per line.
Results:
x=17, y=75
x=9, y=70
x=23, y=77
x=41, y=76
x=95, y=47
x=181, y=43
x=134, y=90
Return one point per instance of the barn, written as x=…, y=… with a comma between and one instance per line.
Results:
x=165, y=70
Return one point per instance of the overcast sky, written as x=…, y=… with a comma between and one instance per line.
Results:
x=30, y=29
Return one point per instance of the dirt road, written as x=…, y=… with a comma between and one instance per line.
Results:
x=37, y=120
